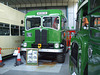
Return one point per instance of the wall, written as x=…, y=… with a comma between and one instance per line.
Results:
x=72, y=14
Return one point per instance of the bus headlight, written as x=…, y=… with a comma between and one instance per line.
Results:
x=29, y=34
x=57, y=45
x=25, y=44
x=90, y=52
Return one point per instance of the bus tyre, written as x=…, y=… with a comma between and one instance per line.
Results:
x=24, y=55
x=61, y=58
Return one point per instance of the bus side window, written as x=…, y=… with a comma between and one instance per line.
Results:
x=22, y=30
x=63, y=23
x=55, y=21
x=97, y=23
x=4, y=29
x=14, y=30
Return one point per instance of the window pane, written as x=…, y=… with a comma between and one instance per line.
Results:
x=14, y=30
x=52, y=22
x=78, y=21
x=64, y=24
x=0, y=30
x=4, y=29
x=33, y=22
x=95, y=22
x=22, y=31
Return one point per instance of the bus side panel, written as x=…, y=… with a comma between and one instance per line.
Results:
x=10, y=42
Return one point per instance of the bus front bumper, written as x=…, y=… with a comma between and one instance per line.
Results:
x=45, y=50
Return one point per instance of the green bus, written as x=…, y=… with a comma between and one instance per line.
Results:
x=85, y=44
x=45, y=30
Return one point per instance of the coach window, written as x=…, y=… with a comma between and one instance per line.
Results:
x=14, y=30
x=21, y=30
x=4, y=29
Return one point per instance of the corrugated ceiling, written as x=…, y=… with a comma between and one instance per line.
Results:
x=36, y=3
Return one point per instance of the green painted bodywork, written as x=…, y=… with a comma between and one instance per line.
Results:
x=54, y=38
x=86, y=40
x=94, y=61
x=54, y=35
x=94, y=43
x=82, y=40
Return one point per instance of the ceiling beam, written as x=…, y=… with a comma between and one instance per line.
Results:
x=37, y=5
x=13, y=2
x=62, y=2
x=56, y=2
x=17, y=1
x=51, y=2
x=41, y=2
x=45, y=2
x=29, y=1
x=23, y=1
x=68, y=1
x=35, y=2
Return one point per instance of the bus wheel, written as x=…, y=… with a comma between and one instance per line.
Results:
x=61, y=58
x=24, y=55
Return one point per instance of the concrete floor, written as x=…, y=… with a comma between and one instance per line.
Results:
x=42, y=69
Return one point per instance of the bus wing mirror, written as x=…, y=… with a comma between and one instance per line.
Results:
x=22, y=21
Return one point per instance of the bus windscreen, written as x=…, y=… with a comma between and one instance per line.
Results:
x=33, y=22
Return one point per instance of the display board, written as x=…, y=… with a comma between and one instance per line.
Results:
x=32, y=57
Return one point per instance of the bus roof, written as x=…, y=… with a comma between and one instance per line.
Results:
x=45, y=12
x=82, y=4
